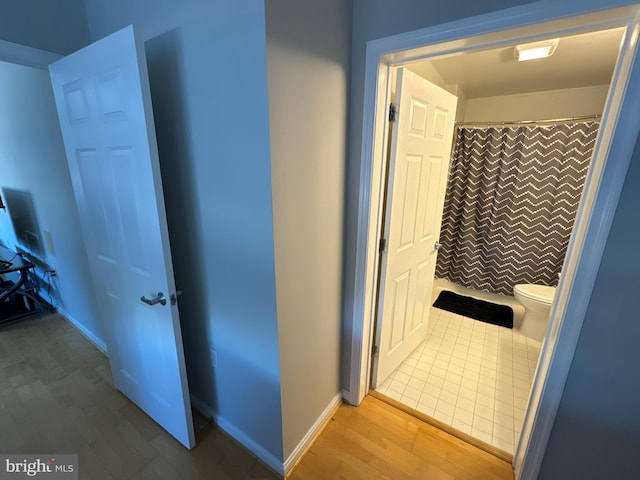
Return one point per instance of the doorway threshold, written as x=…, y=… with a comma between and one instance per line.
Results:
x=496, y=452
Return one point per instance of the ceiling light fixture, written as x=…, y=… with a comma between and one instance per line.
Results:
x=531, y=51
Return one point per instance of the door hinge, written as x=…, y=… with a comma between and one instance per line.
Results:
x=374, y=351
x=393, y=112
x=382, y=246
x=174, y=297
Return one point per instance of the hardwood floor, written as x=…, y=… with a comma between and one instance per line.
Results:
x=56, y=396
x=378, y=441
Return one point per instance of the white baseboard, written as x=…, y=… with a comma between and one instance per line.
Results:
x=88, y=334
x=312, y=434
x=238, y=435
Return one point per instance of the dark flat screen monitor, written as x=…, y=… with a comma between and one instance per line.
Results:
x=20, y=206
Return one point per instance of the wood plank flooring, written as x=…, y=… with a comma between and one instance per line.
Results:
x=378, y=441
x=56, y=396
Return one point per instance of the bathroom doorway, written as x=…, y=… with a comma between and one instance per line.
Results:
x=434, y=324
x=511, y=202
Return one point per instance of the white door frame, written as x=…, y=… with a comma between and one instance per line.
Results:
x=618, y=133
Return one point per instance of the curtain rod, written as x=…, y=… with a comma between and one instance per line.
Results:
x=552, y=121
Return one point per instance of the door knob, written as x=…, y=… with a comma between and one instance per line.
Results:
x=436, y=246
x=160, y=298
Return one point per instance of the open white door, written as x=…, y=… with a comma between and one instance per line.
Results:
x=104, y=106
x=420, y=153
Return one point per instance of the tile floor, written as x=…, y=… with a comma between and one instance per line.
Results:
x=471, y=375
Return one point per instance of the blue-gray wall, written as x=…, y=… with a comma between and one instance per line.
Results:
x=597, y=429
x=33, y=161
x=308, y=52
x=208, y=75
x=58, y=26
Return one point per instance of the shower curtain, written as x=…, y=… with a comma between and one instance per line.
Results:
x=511, y=202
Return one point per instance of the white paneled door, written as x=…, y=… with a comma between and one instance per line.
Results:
x=104, y=107
x=421, y=143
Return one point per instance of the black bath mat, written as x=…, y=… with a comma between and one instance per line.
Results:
x=477, y=309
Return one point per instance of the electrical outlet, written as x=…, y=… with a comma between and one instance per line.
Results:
x=214, y=358
x=48, y=242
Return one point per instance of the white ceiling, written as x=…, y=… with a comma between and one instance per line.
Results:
x=579, y=61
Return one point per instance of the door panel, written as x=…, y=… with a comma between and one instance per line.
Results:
x=104, y=106
x=421, y=144
x=423, y=294
x=400, y=305
x=411, y=173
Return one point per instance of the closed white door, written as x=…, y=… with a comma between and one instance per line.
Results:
x=420, y=152
x=104, y=107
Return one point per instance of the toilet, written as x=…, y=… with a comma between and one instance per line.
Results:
x=537, y=300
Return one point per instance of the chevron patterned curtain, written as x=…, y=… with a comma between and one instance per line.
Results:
x=511, y=202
